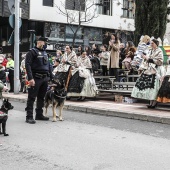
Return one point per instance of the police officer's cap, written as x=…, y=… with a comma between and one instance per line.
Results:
x=42, y=39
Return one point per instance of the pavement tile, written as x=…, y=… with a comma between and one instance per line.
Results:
x=136, y=111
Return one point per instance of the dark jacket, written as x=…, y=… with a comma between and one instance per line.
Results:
x=122, y=54
x=3, y=76
x=95, y=63
x=37, y=62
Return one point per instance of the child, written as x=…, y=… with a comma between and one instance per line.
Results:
x=164, y=91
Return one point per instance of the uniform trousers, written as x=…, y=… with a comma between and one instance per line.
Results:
x=38, y=91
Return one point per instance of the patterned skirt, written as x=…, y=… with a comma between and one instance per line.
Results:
x=164, y=91
x=146, y=87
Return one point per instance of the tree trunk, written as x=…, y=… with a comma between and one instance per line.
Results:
x=74, y=36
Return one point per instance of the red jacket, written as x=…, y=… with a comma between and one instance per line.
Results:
x=4, y=62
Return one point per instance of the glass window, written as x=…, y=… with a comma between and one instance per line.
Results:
x=70, y=34
x=48, y=3
x=75, y=5
x=128, y=8
x=94, y=35
x=25, y=1
x=104, y=7
x=55, y=31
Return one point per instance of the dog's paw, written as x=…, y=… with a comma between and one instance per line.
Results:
x=54, y=120
x=61, y=119
x=6, y=134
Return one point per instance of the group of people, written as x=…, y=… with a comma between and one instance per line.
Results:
x=153, y=83
x=7, y=65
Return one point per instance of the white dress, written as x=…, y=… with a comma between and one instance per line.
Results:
x=89, y=87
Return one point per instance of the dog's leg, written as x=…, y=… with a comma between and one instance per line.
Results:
x=60, y=112
x=4, y=128
x=54, y=111
x=46, y=108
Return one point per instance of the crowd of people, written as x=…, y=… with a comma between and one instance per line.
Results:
x=146, y=60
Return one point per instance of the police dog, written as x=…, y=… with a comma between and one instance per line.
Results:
x=57, y=94
x=6, y=105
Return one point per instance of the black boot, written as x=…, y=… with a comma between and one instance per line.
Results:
x=30, y=121
x=41, y=117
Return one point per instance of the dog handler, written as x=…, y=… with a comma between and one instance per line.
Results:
x=39, y=73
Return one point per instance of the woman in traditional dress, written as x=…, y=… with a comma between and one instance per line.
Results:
x=164, y=91
x=69, y=56
x=82, y=83
x=148, y=84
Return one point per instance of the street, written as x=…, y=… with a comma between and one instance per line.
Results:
x=83, y=142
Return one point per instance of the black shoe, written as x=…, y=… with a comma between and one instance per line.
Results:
x=11, y=91
x=41, y=118
x=83, y=98
x=153, y=107
x=79, y=98
x=148, y=106
x=30, y=121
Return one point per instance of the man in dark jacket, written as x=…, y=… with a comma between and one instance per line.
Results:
x=39, y=72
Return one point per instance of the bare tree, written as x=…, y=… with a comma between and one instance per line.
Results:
x=82, y=11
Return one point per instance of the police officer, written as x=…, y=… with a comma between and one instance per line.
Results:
x=39, y=73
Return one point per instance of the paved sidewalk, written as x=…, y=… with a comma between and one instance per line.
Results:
x=136, y=111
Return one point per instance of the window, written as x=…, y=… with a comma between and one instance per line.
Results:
x=70, y=30
x=104, y=7
x=128, y=8
x=78, y=5
x=48, y=3
x=25, y=1
x=94, y=35
x=55, y=31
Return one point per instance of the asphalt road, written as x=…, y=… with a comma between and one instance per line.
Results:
x=84, y=142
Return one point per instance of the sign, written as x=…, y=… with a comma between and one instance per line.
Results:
x=12, y=21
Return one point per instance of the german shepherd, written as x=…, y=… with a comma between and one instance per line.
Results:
x=57, y=94
x=56, y=97
x=6, y=105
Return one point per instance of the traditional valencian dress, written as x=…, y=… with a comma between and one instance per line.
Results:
x=148, y=84
x=164, y=91
x=82, y=83
x=70, y=58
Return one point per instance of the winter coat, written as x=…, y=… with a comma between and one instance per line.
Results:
x=95, y=63
x=2, y=74
x=104, y=60
x=113, y=61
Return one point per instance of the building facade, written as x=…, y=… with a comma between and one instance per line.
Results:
x=47, y=19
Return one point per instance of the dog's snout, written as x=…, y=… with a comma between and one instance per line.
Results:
x=11, y=107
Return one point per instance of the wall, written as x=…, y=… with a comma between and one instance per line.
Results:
x=43, y=13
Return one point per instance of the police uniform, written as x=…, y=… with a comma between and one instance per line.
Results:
x=38, y=68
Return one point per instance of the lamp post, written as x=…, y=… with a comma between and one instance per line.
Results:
x=16, y=48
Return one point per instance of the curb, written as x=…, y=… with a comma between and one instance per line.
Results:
x=128, y=115
x=106, y=112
